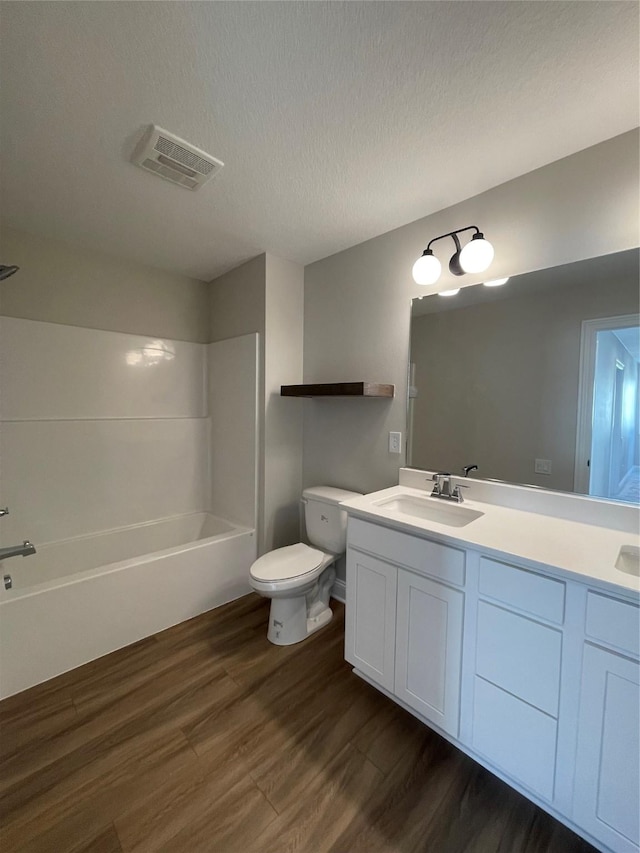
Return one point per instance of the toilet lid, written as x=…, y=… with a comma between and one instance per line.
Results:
x=285, y=563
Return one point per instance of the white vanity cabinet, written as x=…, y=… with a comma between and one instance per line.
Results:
x=607, y=777
x=404, y=618
x=532, y=673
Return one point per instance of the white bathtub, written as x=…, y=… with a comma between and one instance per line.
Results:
x=78, y=599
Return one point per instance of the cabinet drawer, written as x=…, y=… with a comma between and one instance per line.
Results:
x=429, y=558
x=613, y=621
x=528, y=591
x=515, y=737
x=519, y=655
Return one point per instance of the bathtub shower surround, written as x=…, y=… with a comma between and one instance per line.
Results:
x=103, y=434
x=99, y=429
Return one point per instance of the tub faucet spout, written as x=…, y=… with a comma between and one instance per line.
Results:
x=23, y=550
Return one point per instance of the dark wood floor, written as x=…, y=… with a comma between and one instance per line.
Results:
x=207, y=738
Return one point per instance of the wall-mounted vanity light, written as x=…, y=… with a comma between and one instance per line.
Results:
x=496, y=282
x=476, y=256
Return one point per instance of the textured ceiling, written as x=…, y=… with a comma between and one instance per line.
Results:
x=336, y=121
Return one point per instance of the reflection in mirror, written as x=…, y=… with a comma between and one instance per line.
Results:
x=535, y=382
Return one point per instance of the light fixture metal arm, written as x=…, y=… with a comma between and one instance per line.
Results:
x=454, y=235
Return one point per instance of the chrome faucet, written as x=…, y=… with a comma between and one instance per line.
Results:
x=442, y=488
x=23, y=550
x=442, y=484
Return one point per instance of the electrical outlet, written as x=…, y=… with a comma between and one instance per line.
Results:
x=395, y=442
x=542, y=466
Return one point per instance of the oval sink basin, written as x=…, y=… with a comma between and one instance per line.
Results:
x=629, y=560
x=430, y=509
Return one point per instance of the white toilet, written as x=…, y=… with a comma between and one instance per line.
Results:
x=299, y=578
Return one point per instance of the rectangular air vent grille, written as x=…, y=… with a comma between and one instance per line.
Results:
x=187, y=158
x=169, y=173
x=175, y=160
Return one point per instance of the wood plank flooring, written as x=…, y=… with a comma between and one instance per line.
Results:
x=208, y=739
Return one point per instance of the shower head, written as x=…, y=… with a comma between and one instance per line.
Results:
x=5, y=272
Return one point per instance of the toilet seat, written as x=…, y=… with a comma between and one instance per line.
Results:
x=288, y=563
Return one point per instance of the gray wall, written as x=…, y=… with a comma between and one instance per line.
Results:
x=265, y=295
x=282, y=482
x=238, y=301
x=58, y=283
x=498, y=382
x=356, y=323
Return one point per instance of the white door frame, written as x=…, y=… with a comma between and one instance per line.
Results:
x=590, y=329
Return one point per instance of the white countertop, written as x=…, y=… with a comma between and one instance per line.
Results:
x=586, y=552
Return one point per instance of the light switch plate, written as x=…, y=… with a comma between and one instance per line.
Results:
x=395, y=442
x=542, y=466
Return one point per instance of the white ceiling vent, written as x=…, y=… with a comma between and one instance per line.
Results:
x=172, y=158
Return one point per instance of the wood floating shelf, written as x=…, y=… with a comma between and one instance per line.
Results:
x=338, y=389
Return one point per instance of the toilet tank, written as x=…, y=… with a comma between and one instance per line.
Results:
x=325, y=521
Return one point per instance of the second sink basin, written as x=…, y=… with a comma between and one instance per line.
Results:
x=430, y=509
x=629, y=560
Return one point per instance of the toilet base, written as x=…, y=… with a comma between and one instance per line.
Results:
x=319, y=621
x=292, y=620
x=289, y=624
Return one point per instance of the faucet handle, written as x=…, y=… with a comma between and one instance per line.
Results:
x=4, y=511
x=457, y=494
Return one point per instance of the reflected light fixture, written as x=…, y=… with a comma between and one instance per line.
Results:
x=449, y=292
x=7, y=271
x=496, y=282
x=475, y=257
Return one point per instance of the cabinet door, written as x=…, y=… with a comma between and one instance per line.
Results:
x=370, y=616
x=607, y=789
x=429, y=649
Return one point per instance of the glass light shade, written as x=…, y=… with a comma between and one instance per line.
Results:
x=496, y=282
x=476, y=255
x=449, y=292
x=426, y=269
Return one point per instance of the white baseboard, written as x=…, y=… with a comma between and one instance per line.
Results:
x=339, y=590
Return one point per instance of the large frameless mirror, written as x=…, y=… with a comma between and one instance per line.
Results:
x=536, y=381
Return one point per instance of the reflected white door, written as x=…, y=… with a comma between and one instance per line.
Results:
x=608, y=440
